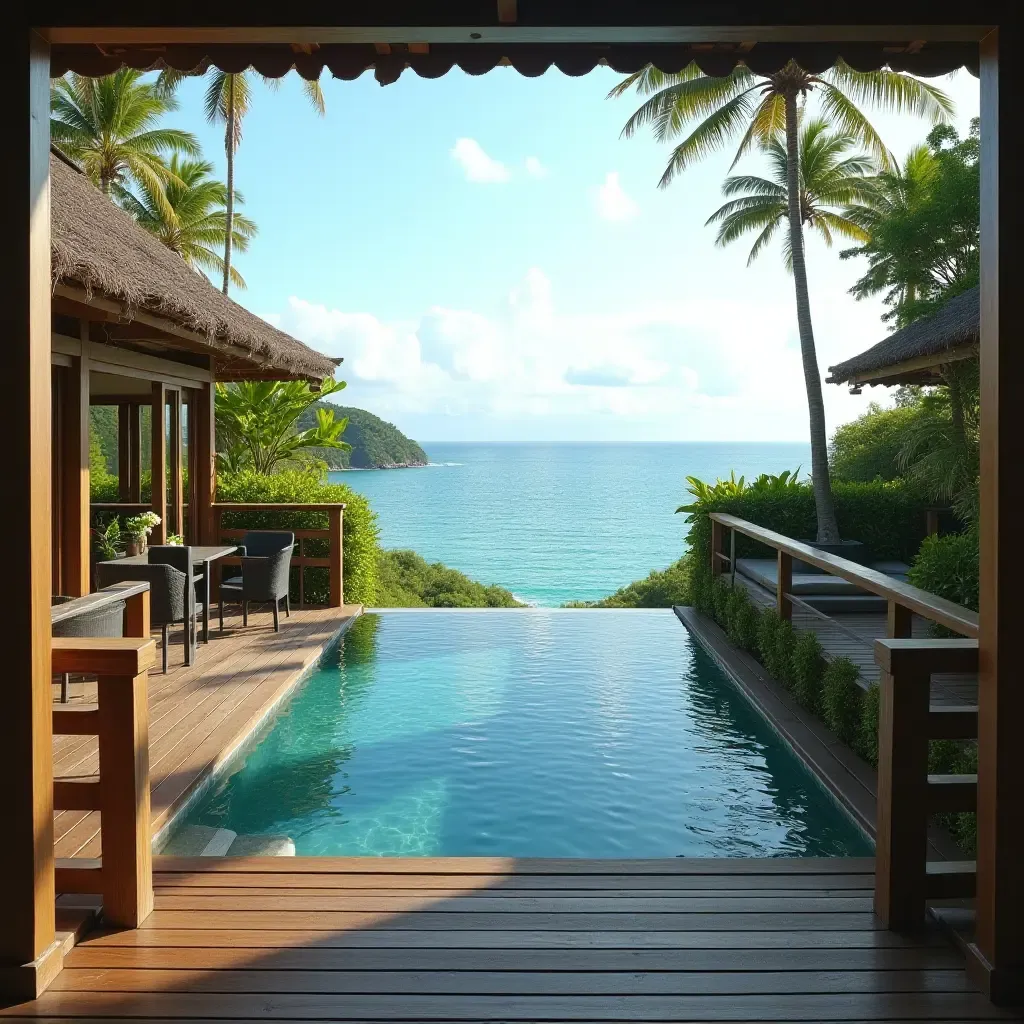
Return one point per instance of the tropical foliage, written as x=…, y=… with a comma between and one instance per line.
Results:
x=407, y=580
x=187, y=212
x=923, y=227
x=832, y=180
x=111, y=127
x=256, y=424
x=762, y=111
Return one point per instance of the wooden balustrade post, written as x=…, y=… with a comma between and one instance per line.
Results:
x=124, y=800
x=901, y=841
x=336, y=558
x=732, y=557
x=784, y=585
x=717, y=544
x=899, y=621
x=136, y=615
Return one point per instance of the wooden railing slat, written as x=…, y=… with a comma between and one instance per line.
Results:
x=952, y=793
x=82, y=794
x=76, y=721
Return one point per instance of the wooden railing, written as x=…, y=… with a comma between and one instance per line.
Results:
x=333, y=535
x=903, y=599
x=124, y=872
x=907, y=794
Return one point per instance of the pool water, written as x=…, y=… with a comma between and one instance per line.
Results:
x=525, y=733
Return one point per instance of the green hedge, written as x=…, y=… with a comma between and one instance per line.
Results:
x=948, y=566
x=888, y=517
x=662, y=588
x=360, y=533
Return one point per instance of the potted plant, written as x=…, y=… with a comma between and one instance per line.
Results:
x=138, y=528
x=176, y=539
x=107, y=542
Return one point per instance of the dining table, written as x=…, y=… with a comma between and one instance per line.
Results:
x=202, y=555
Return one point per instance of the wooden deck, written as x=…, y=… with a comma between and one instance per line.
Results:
x=199, y=714
x=476, y=939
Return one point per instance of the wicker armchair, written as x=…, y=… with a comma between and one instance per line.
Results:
x=107, y=621
x=168, y=597
x=266, y=563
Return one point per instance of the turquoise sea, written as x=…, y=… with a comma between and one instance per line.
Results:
x=554, y=522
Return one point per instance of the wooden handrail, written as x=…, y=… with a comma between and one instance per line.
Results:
x=120, y=720
x=100, y=599
x=899, y=595
x=333, y=561
x=907, y=794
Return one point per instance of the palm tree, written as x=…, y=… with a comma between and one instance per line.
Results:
x=228, y=98
x=761, y=109
x=834, y=187
x=188, y=214
x=111, y=127
x=896, y=267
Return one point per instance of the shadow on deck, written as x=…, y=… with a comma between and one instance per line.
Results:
x=491, y=939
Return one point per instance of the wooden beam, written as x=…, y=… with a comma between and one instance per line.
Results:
x=998, y=961
x=29, y=954
x=656, y=31
x=507, y=13
x=158, y=464
x=74, y=482
x=885, y=374
x=134, y=452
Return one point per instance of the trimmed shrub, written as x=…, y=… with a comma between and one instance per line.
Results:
x=775, y=643
x=808, y=667
x=948, y=566
x=956, y=757
x=743, y=620
x=720, y=591
x=360, y=532
x=867, y=736
x=842, y=699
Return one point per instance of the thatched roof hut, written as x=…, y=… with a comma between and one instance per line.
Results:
x=99, y=252
x=917, y=353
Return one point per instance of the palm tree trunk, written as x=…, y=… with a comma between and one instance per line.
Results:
x=229, y=149
x=828, y=530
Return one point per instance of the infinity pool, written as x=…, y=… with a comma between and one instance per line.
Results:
x=525, y=733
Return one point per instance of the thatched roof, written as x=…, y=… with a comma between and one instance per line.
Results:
x=100, y=247
x=949, y=333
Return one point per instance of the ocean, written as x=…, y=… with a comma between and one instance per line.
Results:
x=554, y=522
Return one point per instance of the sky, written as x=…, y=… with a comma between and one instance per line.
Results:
x=495, y=263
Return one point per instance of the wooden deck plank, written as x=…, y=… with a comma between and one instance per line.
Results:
x=873, y=1006
x=551, y=980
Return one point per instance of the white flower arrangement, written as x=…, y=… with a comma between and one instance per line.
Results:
x=141, y=525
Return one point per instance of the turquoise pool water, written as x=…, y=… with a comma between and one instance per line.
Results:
x=525, y=733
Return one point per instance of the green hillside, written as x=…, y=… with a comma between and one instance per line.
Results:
x=376, y=444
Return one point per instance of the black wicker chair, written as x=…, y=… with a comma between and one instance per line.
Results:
x=181, y=558
x=266, y=562
x=168, y=598
x=107, y=621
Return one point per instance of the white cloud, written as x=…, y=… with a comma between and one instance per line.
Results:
x=534, y=168
x=611, y=200
x=470, y=156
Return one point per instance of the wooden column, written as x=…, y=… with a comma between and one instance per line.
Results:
x=998, y=961
x=177, y=516
x=158, y=465
x=204, y=488
x=135, y=453
x=124, y=452
x=29, y=956
x=74, y=484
